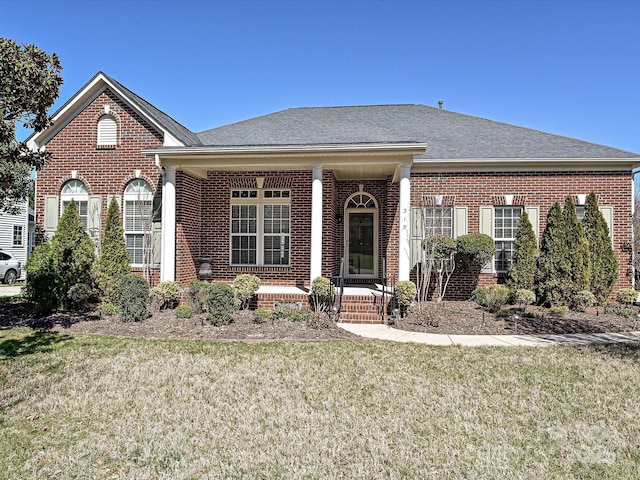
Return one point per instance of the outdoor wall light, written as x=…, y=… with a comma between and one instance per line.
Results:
x=339, y=217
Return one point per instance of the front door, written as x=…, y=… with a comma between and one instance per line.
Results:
x=361, y=235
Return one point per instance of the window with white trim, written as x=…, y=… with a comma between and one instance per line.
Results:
x=504, y=233
x=260, y=227
x=107, y=131
x=17, y=235
x=138, y=215
x=77, y=191
x=437, y=220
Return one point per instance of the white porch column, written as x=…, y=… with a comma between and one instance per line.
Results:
x=404, y=246
x=316, y=224
x=168, y=246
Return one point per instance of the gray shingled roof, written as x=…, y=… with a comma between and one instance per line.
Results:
x=179, y=131
x=449, y=135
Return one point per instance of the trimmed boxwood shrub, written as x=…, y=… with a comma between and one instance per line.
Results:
x=245, y=287
x=627, y=296
x=493, y=297
x=183, y=311
x=133, y=293
x=405, y=293
x=219, y=303
x=582, y=300
x=164, y=295
x=195, y=294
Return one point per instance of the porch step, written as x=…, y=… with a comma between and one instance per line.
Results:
x=361, y=309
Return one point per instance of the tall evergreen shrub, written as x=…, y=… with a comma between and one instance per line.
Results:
x=72, y=251
x=523, y=267
x=578, y=250
x=113, y=263
x=554, y=264
x=604, y=264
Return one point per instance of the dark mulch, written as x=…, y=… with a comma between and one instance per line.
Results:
x=447, y=318
x=18, y=312
x=468, y=318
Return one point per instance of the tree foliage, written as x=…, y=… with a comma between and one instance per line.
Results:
x=72, y=249
x=29, y=84
x=113, y=263
x=604, y=264
x=522, y=273
x=578, y=251
x=553, y=264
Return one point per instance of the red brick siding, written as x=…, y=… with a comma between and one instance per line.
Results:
x=535, y=189
x=188, y=226
x=214, y=239
x=103, y=171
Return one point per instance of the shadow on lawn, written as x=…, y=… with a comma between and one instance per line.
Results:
x=39, y=341
x=624, y=351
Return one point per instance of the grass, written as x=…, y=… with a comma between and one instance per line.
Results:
x=99, y=407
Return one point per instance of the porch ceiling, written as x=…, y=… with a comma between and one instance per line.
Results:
x=351, y=162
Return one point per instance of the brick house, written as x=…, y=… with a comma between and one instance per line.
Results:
x=289, y=195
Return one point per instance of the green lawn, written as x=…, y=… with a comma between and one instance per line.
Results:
x=97, y=407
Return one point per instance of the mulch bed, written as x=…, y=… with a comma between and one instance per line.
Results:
x=467, y=318
x=446, y=318
x=166, y=325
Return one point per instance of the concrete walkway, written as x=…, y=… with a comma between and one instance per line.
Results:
x=383, y=332
x=9, y=291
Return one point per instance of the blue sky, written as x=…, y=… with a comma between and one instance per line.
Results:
x=570, y=68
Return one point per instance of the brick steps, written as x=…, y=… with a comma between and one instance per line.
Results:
x=355, y=308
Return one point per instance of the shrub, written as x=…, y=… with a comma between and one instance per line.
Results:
x=493, y=297
x=107, y=308
x=317, y=321
x=582, y=300
x=39, y=261
x=578, y=249
x=245, y=287
x=291, y=312
x=79, y=295
x=183, y=311
x=164, y=295
x=524, y=297
x=133, y=293
x=475, y=250
x=321, y=294
x=219, y=303
x=47, y=290
x=522, y=271
x=405, y=293
x=113, y=263
x=195, y=294
x=72, y=251
x=627, y=296
x=558, y=310
x=604, y=264
x=260, y=315
x=552, y=276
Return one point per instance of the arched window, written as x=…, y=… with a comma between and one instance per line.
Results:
x=107, y=131
x=138, y=217
x=77, y=191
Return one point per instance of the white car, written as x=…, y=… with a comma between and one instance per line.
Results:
x=10, y=269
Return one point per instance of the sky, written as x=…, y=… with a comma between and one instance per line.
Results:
x=566, y=67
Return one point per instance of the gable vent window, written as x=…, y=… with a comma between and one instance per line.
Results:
x=107, y=132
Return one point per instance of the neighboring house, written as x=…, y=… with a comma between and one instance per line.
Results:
x=287, y=196
x=14, y=235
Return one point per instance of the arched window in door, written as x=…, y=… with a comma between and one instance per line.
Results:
x=361, y=236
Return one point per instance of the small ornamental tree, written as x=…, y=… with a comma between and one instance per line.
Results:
x=113, y=263
x=578, y=251
x=72, y=250
x=523, y=267
x=604, y=264
x=554, y=264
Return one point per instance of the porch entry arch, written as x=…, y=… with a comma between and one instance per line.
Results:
x=361, y=236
